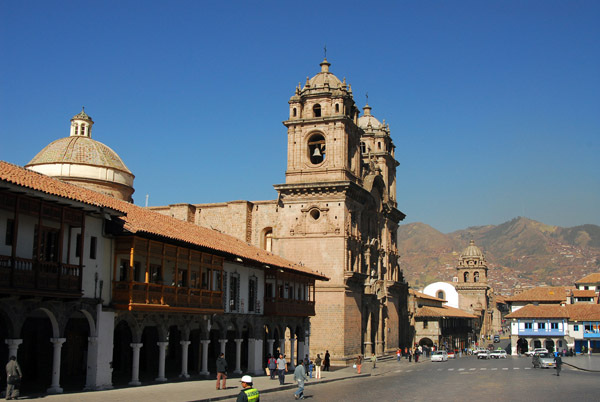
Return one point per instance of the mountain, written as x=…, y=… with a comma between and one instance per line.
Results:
x=521, y=252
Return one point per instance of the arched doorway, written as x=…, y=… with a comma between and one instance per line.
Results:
x=149, y=354
x=36, y=352
x=522, y=346
x=426, y=342
x=549, y=344
x=74, y=353
x=122, y=354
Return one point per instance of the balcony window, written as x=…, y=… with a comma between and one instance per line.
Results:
x=155, y=275
x=234, y=292
x=576, y=327
x=93, y=247
x=528, y=325
x=541, y=325
x=553, y=325
x=10, y=232
x=48, y=241
x=252, y=290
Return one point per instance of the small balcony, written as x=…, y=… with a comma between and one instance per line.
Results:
x=541, y=332
x=141, y=296
x=286, y=307
x=29, y=277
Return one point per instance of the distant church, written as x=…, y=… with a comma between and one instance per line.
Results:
x=336, y=213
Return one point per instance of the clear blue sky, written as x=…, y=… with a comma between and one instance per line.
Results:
x=494, y=106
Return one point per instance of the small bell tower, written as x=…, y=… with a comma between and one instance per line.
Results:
x=81, y=125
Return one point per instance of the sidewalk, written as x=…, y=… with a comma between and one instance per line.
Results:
x=198, y=390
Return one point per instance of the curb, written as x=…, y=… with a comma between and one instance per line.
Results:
x=582, y=369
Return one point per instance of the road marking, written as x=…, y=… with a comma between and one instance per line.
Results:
x=398, y=371
x=495, y=368
x=527, y=368
x=408, y=371
x=504, y=368
x=483, y=369
x=472, y=369
x=516, y=368
x=461, y=369
x=453, y=369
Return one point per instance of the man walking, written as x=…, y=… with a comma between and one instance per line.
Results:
x=222, y=371
x=281, y=369
x=558, y=362
x=13, y=378
x=300, y=377
x=248, y=392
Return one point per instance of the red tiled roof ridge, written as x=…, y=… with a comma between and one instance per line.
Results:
x=138, y=219
x=591, y=278
x=542, y=293
x=443, y=311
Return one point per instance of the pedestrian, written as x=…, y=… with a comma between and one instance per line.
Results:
x=281, y=369
x=558, y=363
x=248, y=392
x=311, y=367
x=13, y=378
x=416, y=355
x=405, y=352
x=272, y=366
x=221, y=372
x=359, y=360
x=374, y=361
x=398, y=353
x=318, y=362
x=300, y=377
x=326, y=361
x=410, y=353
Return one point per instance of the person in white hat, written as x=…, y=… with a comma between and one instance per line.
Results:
x=248, y=392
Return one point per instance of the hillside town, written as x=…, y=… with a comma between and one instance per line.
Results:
x=97, y=293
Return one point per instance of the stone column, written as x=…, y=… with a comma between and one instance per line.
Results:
x=302, y=350
x=55, y=386
x=184, y=359
x=204, y=343
x=135, y=364
x=282, y=346
x=270, y=343
x=162, y=348
x=368, y=344
x=292, y=354
x=589, y=347
x=222, y=342
x=92, y=363
x=13, y=346
x=238, y=356
x=379, y=345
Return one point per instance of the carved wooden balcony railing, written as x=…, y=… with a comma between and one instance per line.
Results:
x=287, y=307
x=27, y=276
x=155, y=297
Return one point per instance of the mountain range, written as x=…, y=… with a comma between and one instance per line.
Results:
x=519, y=253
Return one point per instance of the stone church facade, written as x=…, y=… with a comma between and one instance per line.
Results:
x=337, y=214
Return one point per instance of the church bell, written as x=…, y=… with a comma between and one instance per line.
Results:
x=317, y=152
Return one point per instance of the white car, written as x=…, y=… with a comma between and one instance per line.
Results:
x=484, y=354
x=498, y=354
x=439, y=356
x=536, y=351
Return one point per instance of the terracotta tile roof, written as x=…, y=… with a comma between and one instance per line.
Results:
x=421, y=295
x=500, y=299
x=541, y=311
x=584, y=293
x=141, y=220
x=546, y=294
x=573, y=312
x=584, y=312
x=591, y=278
x=444, y=311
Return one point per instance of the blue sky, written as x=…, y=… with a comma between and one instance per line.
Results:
x=494, y=107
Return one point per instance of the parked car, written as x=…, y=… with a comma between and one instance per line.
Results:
x=478, y=349
x=496, y=338
x=439, y=356
x=484, y=354
x=498, y=354
x=536, y=351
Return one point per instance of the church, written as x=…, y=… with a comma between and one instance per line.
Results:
x=336, y=213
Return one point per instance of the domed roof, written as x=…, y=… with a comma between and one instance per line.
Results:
x=79, y=150
x=472, y=251
x=325, y=77
x=368, y=120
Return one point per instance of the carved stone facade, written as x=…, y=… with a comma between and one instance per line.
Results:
x=337, y=214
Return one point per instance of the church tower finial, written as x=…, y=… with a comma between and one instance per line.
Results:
x=81, y=124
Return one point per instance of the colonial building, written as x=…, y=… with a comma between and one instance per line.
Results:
x=439, y=325
x=337, y=213
x=95, y=291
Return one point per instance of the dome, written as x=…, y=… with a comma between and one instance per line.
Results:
x=81, y=151
x=472, y=251
x=368, y=120
x=325, y=77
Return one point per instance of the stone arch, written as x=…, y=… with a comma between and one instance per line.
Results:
x=133, y=325
x=124, y=334
x=56, y=331
x=426, y=342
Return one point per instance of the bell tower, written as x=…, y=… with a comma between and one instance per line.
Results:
x=323, y=135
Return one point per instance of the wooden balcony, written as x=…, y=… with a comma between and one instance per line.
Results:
x=287, y=307
x=29, y=277
x=141, y=296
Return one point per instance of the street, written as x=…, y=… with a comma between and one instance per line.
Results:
x=462, y=379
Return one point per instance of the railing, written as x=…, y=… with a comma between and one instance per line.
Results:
x=278, y=306
x=153, y=294
x=542, y=332
x=30, y=276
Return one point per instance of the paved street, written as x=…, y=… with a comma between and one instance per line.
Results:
x=466, y=378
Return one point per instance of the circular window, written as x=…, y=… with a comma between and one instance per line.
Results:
x=316, y=149
x=315, y=213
